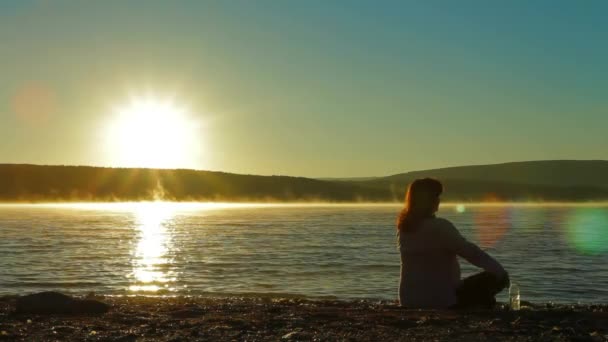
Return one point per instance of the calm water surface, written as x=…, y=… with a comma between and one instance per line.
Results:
x=555, y=253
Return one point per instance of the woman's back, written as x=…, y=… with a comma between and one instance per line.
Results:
x=429, y=267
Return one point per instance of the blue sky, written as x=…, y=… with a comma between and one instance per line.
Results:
x=315, y=88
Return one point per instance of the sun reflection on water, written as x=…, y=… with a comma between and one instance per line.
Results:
x=152, y=254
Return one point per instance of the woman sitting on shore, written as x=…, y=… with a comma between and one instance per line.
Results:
x=429, y=246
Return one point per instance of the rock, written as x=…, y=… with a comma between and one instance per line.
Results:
x=290, y=335
x=63, y=329
x=526, y=303
x=57, y=303
x=422, y=320
x=595, y=336
x=5, y=336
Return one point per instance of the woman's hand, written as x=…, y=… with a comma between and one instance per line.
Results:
x=504, y=281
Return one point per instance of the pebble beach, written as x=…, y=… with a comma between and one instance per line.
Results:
x=141, y=318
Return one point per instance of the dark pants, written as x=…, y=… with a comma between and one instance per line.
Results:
x=479, y=291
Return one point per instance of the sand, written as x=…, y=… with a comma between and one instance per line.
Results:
x=274, y=319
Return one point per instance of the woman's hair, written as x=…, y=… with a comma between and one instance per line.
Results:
x=421, y=202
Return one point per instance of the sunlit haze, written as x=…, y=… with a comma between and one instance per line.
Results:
x=304, y=88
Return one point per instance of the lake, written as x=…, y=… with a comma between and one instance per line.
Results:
x=556, y=253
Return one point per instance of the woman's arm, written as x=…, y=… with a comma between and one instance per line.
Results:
x=401, y=288
x=455, y=242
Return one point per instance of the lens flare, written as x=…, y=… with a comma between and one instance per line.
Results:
x=34, y=103
x=587, y=230
x=460, y=208
x=491, y=224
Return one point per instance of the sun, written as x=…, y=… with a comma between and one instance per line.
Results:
x=153, y=133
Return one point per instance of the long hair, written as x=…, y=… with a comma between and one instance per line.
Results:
x=421, y=201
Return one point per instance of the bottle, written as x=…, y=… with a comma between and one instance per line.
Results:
x=514, y=296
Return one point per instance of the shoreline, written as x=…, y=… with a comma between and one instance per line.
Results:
x=139, y=318
x=271, y=204
x=270, y=296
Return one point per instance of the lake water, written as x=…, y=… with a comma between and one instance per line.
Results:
x=555, y=253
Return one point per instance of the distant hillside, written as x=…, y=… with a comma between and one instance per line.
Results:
x=80, y=183
x=525, y=181
x=560, y=180
x=592, y=173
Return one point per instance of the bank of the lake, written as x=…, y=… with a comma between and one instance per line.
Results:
x=271, y=319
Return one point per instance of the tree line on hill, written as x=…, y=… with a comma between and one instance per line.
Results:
x=36, y=183
x=80, y=183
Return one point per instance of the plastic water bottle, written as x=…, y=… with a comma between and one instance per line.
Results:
x=514, y=296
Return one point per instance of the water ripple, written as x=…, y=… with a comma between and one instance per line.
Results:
x=332, y=251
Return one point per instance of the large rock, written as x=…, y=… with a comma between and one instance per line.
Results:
x=58, y=303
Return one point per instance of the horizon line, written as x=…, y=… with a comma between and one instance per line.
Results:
x=309, y=177
x=224, y=204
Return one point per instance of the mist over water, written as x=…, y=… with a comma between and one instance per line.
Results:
x=555, y=253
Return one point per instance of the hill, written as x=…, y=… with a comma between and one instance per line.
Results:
x=592, y=173
x=554, y=180
x=82, y=183
x=522, y=181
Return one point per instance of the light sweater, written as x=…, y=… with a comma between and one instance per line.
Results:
x=430, y=271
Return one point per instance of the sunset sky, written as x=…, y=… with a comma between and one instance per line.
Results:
x=306, y=88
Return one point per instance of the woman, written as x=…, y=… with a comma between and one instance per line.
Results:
x=429, y=246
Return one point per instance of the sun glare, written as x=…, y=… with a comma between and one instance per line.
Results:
x=151, y=263
x=154, y=133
